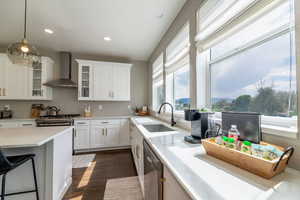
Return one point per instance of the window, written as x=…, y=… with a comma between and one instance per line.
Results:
x=157, y=83
x=177, y=71
x=254, y=67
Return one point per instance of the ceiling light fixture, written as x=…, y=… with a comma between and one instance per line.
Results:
x=107, y=39
x=47, y=30
x=22, y=52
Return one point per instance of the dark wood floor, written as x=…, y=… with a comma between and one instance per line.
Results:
x=89, y=182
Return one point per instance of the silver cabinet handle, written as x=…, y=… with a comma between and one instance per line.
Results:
x=3, y=92
x=27, y=124
x=106, y=132
x=104, y=122
x=0, y=91
x=75, y=134
x=81, y=123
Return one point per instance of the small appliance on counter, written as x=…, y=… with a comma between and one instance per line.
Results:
x=36, y=110
x=87, y=111
x=52, y=111
x=200, y=125
x=6, y=114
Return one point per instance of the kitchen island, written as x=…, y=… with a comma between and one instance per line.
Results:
x=53, y=149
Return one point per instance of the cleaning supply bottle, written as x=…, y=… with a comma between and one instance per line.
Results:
x=234, y=133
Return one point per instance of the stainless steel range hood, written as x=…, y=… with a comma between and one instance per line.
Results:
x=65, y=73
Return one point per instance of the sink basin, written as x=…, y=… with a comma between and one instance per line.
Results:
x=157, y=128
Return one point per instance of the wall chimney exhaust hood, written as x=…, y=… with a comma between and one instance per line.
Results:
x=65, y=73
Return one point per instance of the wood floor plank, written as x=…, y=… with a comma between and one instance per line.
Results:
x=89, y=182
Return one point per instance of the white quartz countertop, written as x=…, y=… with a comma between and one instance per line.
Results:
x=16, y=119
x=204, y=177
x=29, y=137
x=102, y=117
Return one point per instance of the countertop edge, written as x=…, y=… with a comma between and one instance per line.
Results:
x=39, y=143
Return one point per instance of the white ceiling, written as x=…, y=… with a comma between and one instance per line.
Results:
x=80, y=25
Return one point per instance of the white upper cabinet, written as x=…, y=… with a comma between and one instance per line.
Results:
x=85, y=82
x=121, y=82
x=106, y=81
x=103, y=73
x=40, y=74
x=19, y=82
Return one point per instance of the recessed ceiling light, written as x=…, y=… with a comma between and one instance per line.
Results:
x=48, y=31
x=107, y=39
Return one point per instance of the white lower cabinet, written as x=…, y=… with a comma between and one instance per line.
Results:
x=172, y=189
x=92, y=134
x=82, y=135
x=125, y=135
x=112, y=135
x=97, y=136
x=138, y=153
x=17, y=124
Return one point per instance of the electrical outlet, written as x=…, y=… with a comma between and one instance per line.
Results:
x=100, y=107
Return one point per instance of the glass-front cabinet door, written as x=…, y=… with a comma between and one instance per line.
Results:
x=85, y=74
x=37, y=87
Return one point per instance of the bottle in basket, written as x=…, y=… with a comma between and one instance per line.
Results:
x=234, y=133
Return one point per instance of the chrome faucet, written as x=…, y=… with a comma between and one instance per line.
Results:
x=172, y=115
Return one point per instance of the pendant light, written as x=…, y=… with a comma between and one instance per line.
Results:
x=22, y=52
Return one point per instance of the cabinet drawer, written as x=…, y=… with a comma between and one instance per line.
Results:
x=27, y=124
x=82, y=123
x=105, y=122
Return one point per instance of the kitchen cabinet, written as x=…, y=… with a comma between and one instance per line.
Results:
x=3, y=77
x=105, y=133
x=39, y=74
x=112, y=135
x=103, y=73
x=85, y=82
x=172, y=189
x=93, y=134
x=103, y=81
x=18, y=82
x=138, y=153
x=17, y=123
x=82, y=135
x=121, y=82
x=124, y=133
x=97, y=136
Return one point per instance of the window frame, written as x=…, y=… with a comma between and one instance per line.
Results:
x=186, y=65
x=157, y=75
x=268, y=122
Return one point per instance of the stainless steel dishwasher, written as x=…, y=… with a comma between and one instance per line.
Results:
x=153, y=175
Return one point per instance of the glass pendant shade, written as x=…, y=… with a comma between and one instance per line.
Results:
x=23, y=53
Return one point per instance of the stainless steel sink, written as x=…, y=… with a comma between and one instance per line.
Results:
x=157, y=128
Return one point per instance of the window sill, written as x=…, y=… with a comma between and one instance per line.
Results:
x=266, y=129
x=280, y=131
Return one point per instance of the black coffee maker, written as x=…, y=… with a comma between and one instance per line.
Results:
x=200, y=125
